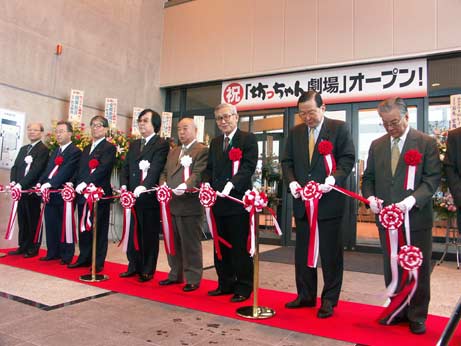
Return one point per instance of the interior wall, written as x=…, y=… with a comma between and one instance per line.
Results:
x=209, y=40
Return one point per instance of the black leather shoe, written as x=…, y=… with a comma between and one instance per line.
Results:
x=395, y=321
x=78, y=265
x=190, y=287
x=46, y=258
x=98, y=269
x=16, y=252
x=417, y=327
x=64, y=262
x=145, y=277
x=326, y=309
x=237, y=298
x=167, y=282
x=30, y=254
x=300, y=303
x=128, y=274
x=218, y=292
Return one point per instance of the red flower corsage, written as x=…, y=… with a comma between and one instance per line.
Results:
x=325, y=147
x=93, y=164
x=413, y=157
x=58, y=160
x=235, y=154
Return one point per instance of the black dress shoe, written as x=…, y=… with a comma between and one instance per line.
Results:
x=78, y=265
x=145, y=277
x=167, y=282
x=190, y=287
x=46, y=258
x=300, y=303
x=237, y=298
x=218, y=292
x=395, y=321
x=30, y=254
x=64, y=262
x=417, y=327
x=326, y=309
x=97, y=269
x=128, y=274
x=16, y=252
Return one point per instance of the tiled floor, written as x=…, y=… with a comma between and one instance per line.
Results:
x=116, y=319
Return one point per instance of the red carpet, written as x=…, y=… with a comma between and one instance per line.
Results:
x=352, y=322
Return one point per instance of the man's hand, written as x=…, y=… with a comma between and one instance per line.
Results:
x=138, y=190
x=328, y=184
x=44, y=187
x=406, y=204
x=80, y=187
x=227, y=188
x=294, y=188
x=180, y=189
x=17, y=186
x=376, y=204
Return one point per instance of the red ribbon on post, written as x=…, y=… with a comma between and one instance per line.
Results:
x=164, y=196
x=128, y=200
x=92, y=194
x=69, y=233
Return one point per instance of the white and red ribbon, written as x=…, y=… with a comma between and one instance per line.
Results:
x=57, y=163
x=186, y=162
x=412, y=159
x=235, y=155
x=128, y=200
x=92, y=165
x=15, y=196
x=207, y=197
x=311, y=195
x=45, y=199
x=144, y=166
x=325, y=149
x=164, y=195
x=69, y=233
x=253, y=202
x=91, y=194
x=28, y=160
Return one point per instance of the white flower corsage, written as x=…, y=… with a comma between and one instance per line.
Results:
x=28, y=159
x=186, y=161
x=144, y=166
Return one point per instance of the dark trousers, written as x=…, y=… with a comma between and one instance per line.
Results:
x=235, y=270
x=85, y=243
x=28, y=215
x=53, y=225
x=144, y=261
x=419, y=304
x=331, y=256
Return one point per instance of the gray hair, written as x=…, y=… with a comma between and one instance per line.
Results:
x=392, y=103
x=232, y=108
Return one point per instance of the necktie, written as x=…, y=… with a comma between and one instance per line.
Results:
x=59, y=151
x=226, y=143
x=311, y=142
x=143, y=144
x=29, y=148
x=92, y=148
x=395, y=154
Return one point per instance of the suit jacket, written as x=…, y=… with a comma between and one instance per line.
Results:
x=155, y=151
x=452, y=162
x=40, y=154
x=104, y=152
x=219, y=170
x=65, y=172
x=173, y=175
x=296, y=166
x=378, y=180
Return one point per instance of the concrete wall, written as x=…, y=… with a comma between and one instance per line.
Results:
x=224, y=39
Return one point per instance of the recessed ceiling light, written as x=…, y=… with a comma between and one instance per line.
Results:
x=435, y=84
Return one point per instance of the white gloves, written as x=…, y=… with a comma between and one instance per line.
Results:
x=406, y=204
x=227, y=188
x=376, y=204
x=207, y=185
x=17, y=186
x=180, y=189
x=139, y=189
x=44, y=187
x=294, y=187
x=328, y=184
x=80, y=187
x=123, y=187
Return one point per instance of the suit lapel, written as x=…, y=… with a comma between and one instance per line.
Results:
x=147, y=147
x=176, y=165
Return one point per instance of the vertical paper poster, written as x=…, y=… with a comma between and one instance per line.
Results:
x=167, y=120
x=76, y=105
x=199, y=121
x=455, y=111
x=110, y=111
x=11, y=135
x=134, y=123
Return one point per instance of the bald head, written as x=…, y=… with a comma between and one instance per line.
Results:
x=187, y=130
x=34, y=131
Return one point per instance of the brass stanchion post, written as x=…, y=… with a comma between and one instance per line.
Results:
x=93, y=277
x=256, y=311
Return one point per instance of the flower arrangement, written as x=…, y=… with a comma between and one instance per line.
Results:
x=122, y=143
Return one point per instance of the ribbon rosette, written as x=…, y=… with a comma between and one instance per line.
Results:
x=45, y=199
x=128, y=200
x=68, y=222
x=93, y=164
x=144, y=166
x=311, y=195
x=235, y=155
x=412, y=158
x=207, y=197
x=164, y=196
x=15, y=196
x=326, y=148
x=58, y=161
x=28, y=160
x=186, y=162
x=91, y=194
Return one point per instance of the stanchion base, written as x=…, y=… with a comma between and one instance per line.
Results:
x=2, y=254
x=96, y=278
x=261, y=312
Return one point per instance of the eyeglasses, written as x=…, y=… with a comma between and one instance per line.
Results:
x=393, y=123
x=225, y=117
x=96, y=126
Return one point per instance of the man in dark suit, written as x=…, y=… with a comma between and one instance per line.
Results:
x=452, y=162
x=54, y=177
x=183, y=170
x=235, y=270
x=26, y=171
x=102, y=152
x=383, y=184
x=141, y=170
x=302, y=163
